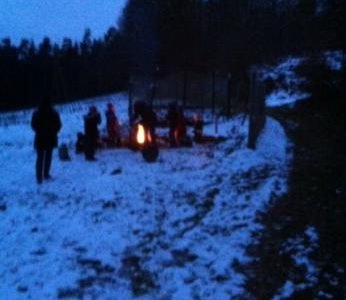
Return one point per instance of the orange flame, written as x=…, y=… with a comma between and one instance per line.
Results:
x=140, y=134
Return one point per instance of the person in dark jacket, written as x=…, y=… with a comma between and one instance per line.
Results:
x=113, y=127
x=181, y=132
x=46, y=124
x=91, y=121
x=197, y=127
x=177, y=125
x=172, y=118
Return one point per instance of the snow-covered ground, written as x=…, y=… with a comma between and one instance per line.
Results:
x=299, y=249
x=121, y=228
x=287, y=90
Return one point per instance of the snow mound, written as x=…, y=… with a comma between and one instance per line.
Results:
x=282, y=97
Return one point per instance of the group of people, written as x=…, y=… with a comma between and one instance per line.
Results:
x=46, y=124
x=88, y=141
x=177, y=126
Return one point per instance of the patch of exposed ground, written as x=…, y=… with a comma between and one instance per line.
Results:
x=316, y=199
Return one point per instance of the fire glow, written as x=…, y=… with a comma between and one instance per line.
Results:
x=143, y=136
x=145, y=143
x=140, y=134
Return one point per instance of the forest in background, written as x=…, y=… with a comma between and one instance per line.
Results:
x=157, y=38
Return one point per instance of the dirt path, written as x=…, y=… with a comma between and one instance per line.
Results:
x=316, y=199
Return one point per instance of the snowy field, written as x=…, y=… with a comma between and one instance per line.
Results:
x=121, y=228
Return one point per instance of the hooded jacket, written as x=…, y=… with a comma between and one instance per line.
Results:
x=46, y=124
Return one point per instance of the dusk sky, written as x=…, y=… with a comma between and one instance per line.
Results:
x=35, y=19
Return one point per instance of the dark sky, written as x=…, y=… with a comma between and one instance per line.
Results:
x=34, y=19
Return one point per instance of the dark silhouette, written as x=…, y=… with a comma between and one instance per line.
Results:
x=46, y=124
x=172, y=119
x=80, y=143
x=113, y=127
x=177, y=125
x=91, y=120
x=197, y=127
x=181, y=134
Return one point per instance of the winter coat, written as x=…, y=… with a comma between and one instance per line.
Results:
x=91, y=121
x=147, y=115
x=181, y=124
x=46, y=124
x=112, y=122
x=172, y=117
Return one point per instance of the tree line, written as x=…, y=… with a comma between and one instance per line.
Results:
x=228, y=35
x=157, y=37
x=72, y=70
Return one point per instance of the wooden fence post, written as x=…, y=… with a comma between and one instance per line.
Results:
x=213, y=92
x=184, y=87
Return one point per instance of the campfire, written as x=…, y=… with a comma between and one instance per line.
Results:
x=145, y=143
x=142, y=136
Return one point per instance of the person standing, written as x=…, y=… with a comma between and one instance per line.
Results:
x=172, y=118
x=91, y=121
x=197, y=127
x=46, y=124
x=113, y=127
x=180, y=133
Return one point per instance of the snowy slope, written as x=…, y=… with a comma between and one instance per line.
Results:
x=288, y=85
x=120, y=228
x=287, y=91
